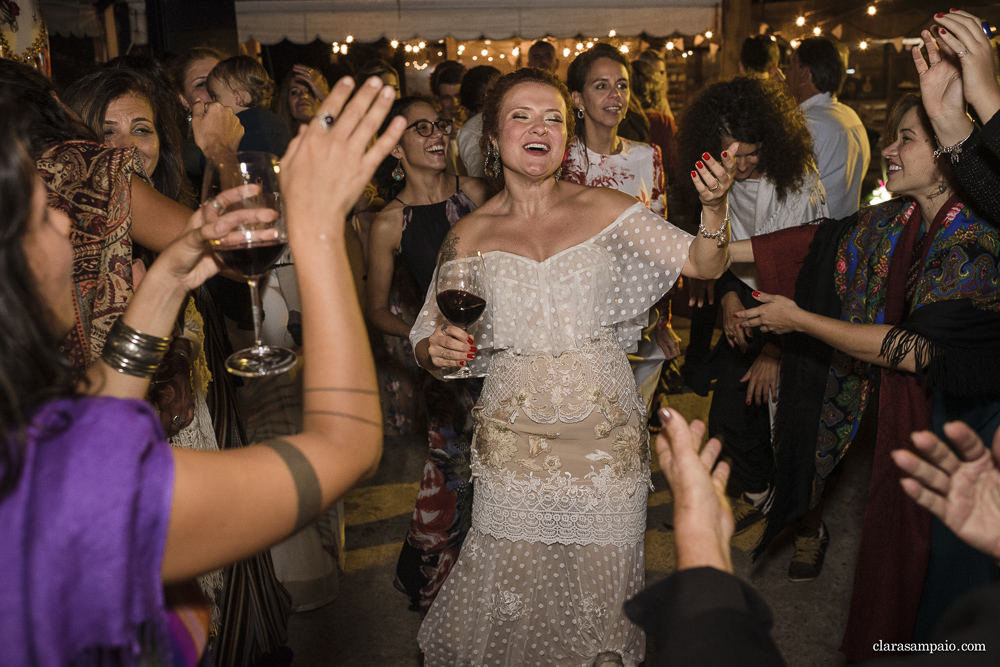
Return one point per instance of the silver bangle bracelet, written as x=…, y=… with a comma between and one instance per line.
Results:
x=132, y=352
x=953, y=151
x=718, y=235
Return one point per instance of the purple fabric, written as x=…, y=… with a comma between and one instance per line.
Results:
x=82, y=536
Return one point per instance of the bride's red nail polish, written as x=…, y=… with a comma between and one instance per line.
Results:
x=939, y=15
x=461, y=363
x=741, y=326
x=474, y=349
x=694, y=174
x=942, y=31
x=725, y=153
x=471, y=356
x=699, y=164
x=470, y=341
x=706, y=157
x=736, y=316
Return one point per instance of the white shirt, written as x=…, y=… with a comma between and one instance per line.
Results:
x=840, y=145
x=467, y=139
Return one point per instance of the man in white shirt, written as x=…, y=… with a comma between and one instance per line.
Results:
x=840, y=142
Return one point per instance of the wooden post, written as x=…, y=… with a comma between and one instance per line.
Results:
x=736, y=22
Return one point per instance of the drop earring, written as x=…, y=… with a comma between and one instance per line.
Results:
x=398, y=174
x=580, y=113
x=495, y=150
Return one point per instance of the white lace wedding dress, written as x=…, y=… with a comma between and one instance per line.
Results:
x=560, y=457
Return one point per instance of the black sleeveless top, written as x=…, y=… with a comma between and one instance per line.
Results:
x=424, y=229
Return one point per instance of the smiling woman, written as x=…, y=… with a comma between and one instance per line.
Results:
x=423, y=204
x=560, y=463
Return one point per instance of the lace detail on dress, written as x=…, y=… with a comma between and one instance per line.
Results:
x=602, y=508
x=592, y=613
x=563, y=389
x=504, y=606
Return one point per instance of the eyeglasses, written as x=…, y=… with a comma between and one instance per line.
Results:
x=425, y=128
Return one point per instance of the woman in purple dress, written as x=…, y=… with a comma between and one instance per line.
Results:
x=100, y=520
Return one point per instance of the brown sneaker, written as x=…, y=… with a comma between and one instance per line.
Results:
x=810, y=550
x=745, y=514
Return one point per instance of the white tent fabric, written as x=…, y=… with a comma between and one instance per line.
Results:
x=302, y=21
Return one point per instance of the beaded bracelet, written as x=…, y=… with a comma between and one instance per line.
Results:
x=719, y=235
x=133, y=352
x=953, y=151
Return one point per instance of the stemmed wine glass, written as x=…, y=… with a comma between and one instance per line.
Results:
x=461, y=296
x=250, y=250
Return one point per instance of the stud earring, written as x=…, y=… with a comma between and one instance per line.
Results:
x=398, y=174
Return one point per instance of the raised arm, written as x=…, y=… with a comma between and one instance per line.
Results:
x=708, y=256
x=228, y=505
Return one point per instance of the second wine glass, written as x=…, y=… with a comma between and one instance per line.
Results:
x=251, y=250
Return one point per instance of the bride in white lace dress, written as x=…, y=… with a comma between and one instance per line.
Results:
x=560, y=458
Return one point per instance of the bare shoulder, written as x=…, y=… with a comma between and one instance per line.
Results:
x=388, y=224
x=603, y=203
x=466, y=234
x=474, y=188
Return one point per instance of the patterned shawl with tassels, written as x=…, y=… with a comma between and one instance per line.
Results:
x=942, y=296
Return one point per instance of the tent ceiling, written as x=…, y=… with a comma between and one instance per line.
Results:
x=302, y=21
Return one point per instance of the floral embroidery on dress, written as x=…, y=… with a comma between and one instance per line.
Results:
x=537, y=446
x=495, y=443
x=608, y=407
x=505, y=606
x=508, y=407
x=628, y=454
x=591, y=613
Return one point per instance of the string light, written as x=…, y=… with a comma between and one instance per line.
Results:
x=490, y=58
x=515, y=52
x=817, y=31
x=794, y=43
x=483, y=52
x=336, y=48
x=579, y=46
x=343, y=49
x=801, y=21
x=708, y=34
x=566, y=52
x=422, y=45
x=502, y=56
x=670, y=46
x=394, y=43
x=871, y=10
x=590, y=45
x=863, y=45
x=350, y=38
x=409, y=49
x=461, y=49
x=611, y=33
x=487, y=42
x=623, y=48
x=475, y=57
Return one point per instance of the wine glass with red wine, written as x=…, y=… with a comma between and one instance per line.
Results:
x=251, y=250
x=461, y=297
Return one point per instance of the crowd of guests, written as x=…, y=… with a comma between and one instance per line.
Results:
x=140, y=525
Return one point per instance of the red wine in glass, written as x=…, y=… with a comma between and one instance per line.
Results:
x=251, y=260
x=460, y=307
x=252, y=249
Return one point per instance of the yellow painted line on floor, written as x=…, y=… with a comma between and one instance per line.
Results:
x=362, y=559
x=374, y=503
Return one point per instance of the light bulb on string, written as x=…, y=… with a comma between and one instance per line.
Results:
x=394, y=43
x=623, y=48
x=409, y=49
x=871, y=10
x=611, y=33
x=708, y=34
x=794, y=43
x=579, y=46
x=670, y=46
x=817, y=31
x=566, y=52
x=483, y=52
x=590, y=45
x=801, y=21
x=350, y=38
x=515, y=52
x=863, y=45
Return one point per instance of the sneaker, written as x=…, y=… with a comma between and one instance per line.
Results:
x=746, y=515
x=810, y=550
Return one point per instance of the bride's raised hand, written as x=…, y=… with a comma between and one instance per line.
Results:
x=963, y=34
x=712, y=178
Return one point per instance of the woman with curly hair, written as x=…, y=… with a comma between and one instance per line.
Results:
x=777, y=186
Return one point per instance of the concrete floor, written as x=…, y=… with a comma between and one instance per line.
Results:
x=369, y=624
